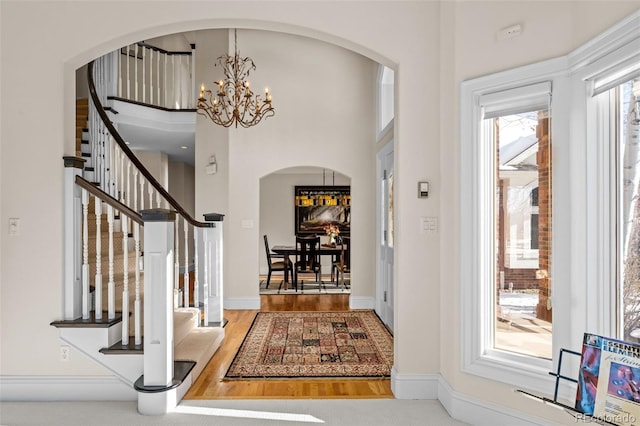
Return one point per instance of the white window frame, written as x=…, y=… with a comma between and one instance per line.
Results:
x=582, y=252
x=596, y=71
x=382, y=97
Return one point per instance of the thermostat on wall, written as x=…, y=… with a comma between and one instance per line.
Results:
x=423, y=189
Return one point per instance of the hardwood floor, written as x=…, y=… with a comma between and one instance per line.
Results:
x=211, y=386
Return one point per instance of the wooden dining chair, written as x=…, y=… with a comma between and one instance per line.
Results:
x=343, y=264
x=307, y=259
x=275, y=262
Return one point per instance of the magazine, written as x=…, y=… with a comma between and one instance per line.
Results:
x=609, y=380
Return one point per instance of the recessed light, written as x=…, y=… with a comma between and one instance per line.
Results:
x=184, y=147
x=128, y=143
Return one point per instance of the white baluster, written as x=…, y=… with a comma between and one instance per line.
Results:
x=196, y=282
x=128, y=73
x=158, y=101
x=141, y=193
x=111, y=173
x=121, y=183
x=98, y=279
x=173, y=81
x=186, y=263
x=158, y=199
x=205, y=284
x=128, y=189
x=151, y=88
x=165, y=88
x=135, y=71
x=176, y=258
x=120, y=75
x=136, y=305
x=111, y=289
x=150, y=191
x=113, y=189
x=85, y=255
x=178, y=81
x=144, y=75
x=134, y=188
x=125, y=281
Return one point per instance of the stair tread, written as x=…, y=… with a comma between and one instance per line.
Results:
x=120, y=349
x=91, y=322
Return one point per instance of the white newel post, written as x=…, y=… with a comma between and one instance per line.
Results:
x=156, y=395
x=72, y=238
x=212, y=255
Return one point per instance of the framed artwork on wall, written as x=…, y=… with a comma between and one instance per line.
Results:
x=316, y=207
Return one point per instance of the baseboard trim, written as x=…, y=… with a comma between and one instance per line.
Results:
x=459, y=406
x=65, y=388
x=481, y=413
x=242, y=302
x=414, y=386
x=361, y=302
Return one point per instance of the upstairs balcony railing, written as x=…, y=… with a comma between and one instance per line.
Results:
x=152, y=76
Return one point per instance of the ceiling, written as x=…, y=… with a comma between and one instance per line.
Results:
x=151, y=129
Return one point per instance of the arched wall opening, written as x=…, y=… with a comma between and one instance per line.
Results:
x=325, y=116
x=277, y=205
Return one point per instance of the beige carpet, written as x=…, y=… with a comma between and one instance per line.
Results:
x=303, y=412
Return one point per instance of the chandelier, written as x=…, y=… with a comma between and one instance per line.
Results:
x=235, y=103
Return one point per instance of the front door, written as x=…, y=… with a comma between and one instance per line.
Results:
x=385, y=236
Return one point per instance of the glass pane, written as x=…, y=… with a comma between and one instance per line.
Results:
x=386, y=97
x=523, y=233
x=628, y=132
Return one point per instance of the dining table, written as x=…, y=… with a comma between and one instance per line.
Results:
x=334, y=251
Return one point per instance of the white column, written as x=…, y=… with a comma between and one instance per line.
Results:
x=213, y=256
x=72, y=239
x=158, y=297
x=137, y=304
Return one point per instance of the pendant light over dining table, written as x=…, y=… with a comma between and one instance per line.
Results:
x=234, y=102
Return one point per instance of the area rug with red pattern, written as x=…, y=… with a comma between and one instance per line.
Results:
x=314, y=344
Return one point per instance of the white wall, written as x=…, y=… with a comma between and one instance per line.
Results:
x=182, y=185
x=431, y=45
x=158, y=165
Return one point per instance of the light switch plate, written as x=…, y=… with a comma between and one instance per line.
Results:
x=14, y=226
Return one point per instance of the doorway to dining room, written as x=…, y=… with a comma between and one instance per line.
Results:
x=278, y=222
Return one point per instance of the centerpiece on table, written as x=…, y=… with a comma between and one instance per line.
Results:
x=332, y=232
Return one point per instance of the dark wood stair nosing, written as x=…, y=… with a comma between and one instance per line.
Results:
x=129, y=349
x=181, y=370
x=90, y=322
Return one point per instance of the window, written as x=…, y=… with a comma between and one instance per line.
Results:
x=628, y=159
x=617, y=110
x=385, y=97
x=550, y=178
x=507, y=197
x=522, y=145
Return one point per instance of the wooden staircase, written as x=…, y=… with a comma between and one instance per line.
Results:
x=101, y=339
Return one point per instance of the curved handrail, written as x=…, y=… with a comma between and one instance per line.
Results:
x=106, y=198
x=123, y=146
